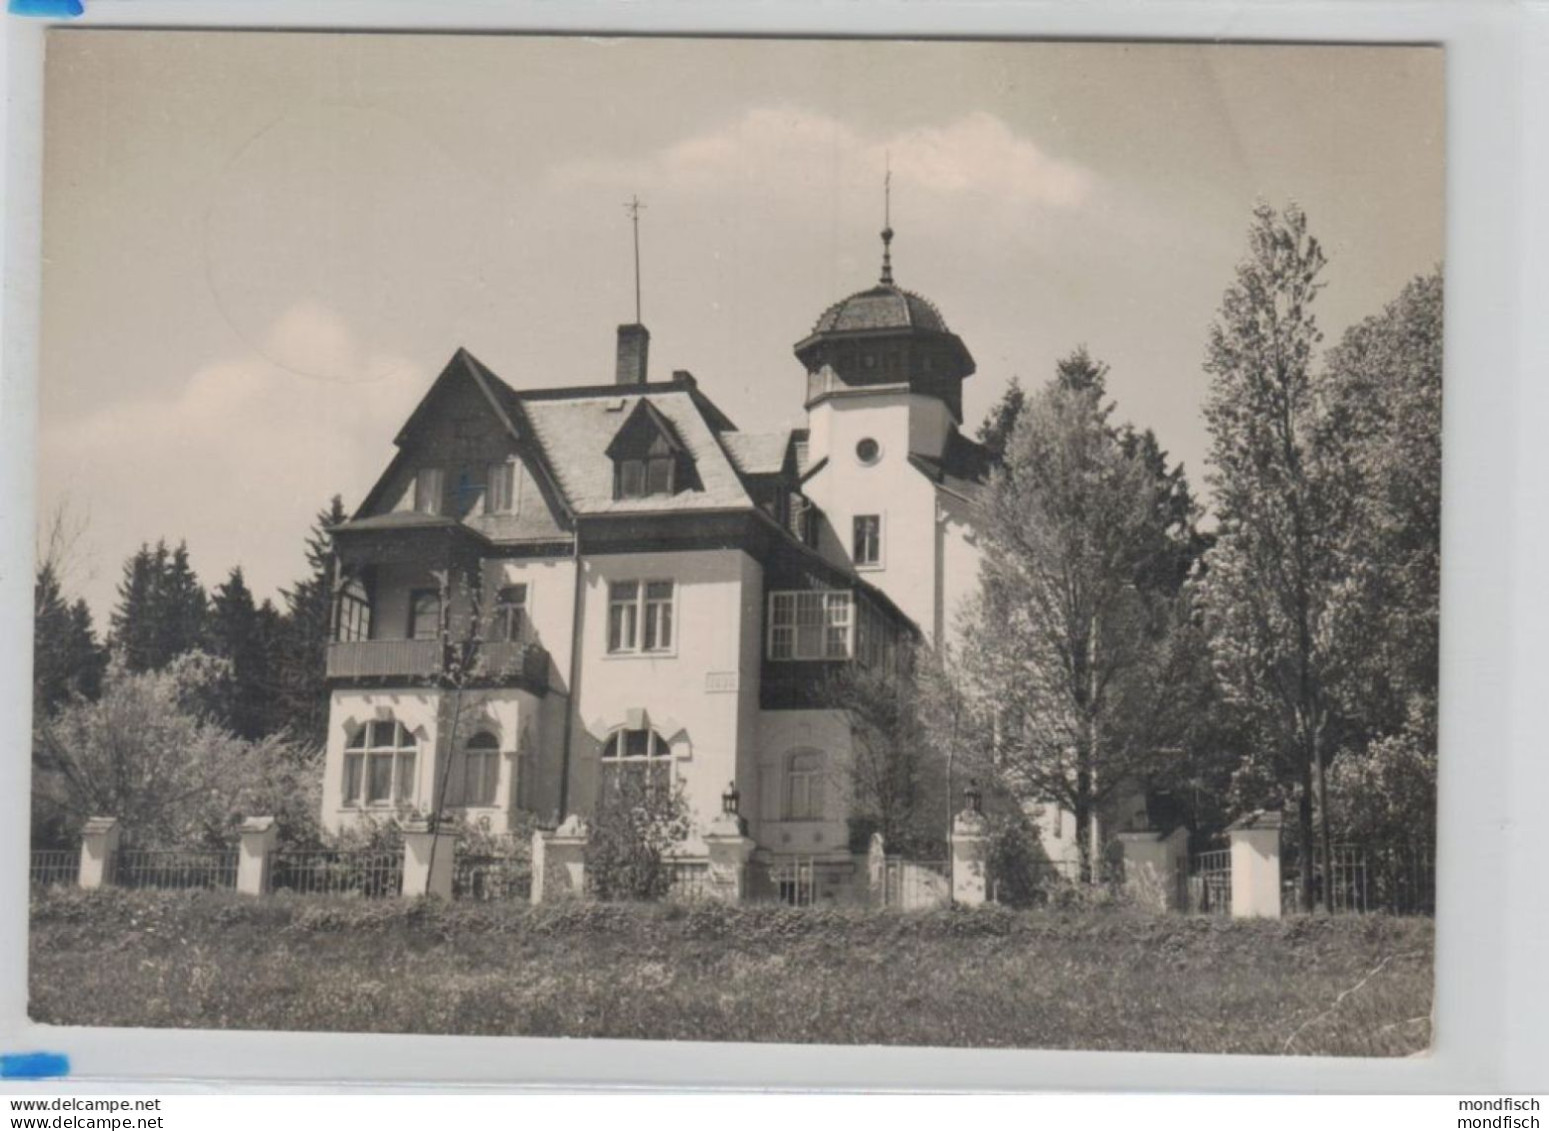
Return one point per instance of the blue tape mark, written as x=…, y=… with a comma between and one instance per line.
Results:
x=33, y=1065
x=48, y=9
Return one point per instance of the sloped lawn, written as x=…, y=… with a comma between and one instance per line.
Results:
x=1094, y=979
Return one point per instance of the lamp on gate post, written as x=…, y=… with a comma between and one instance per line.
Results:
x=973, y=799
x=731, y=807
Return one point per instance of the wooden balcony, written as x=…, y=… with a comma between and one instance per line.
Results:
x=499, y=663
x=381, y=659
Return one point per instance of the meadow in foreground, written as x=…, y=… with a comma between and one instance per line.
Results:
x=988, y=977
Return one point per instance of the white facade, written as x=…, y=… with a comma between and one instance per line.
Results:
x=646, y=583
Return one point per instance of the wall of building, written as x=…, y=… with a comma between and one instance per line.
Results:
x=781, y=734
x=513, y=716
x=958, y=577
x=891, y=488
x=693, y=696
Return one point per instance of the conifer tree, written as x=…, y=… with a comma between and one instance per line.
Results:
x=235, y=634
x=67, y=660
x=161, y=608
x=302, y=661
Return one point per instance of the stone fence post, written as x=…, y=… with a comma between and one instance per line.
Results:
x=970, y=849
x=1155, y=867
x=559, y=862
x=1255, y=842
x=259, y=837
x=729, y=851
x=876, y=871
x=428, y=857
x=99, y=844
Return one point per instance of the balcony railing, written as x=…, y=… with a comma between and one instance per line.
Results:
x=371, y=659
x=498, y=661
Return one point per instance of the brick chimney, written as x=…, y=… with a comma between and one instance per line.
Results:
x=634, y=348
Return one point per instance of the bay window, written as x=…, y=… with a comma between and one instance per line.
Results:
x=811, y=624
x=379, y=764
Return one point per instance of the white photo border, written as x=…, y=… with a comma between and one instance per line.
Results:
x=1492, y=1001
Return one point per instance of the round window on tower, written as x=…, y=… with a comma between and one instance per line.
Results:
x=868, y=451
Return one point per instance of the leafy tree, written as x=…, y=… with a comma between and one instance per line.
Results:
x=636, y=822
x=1382, y=413
x=67, y=660
x=1277, y=568
x=161, y=610
x=894, y=782
x=1071, y=648
x=150, y=752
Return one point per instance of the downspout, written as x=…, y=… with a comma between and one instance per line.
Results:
x=577, y=593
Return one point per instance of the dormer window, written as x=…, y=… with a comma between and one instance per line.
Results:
x=654, y=474
x=648, y=458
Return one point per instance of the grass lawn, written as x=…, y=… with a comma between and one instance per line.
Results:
x=1091, y=979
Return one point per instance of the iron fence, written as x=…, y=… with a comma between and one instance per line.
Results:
x=689, y=879
x=1364, y=878
x=174, y=869
x=1209, y=887
x=909, y=884
x=794, y=881
x=491, y=877
x=366, y=872
x=50, y=867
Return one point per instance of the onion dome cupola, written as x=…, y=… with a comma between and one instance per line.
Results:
x=885, y=336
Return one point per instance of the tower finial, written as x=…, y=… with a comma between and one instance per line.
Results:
x=633, y=207
x=887, y=223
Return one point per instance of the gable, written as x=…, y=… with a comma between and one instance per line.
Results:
x=462, y=429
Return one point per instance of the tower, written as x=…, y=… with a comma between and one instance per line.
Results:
x=884, y=401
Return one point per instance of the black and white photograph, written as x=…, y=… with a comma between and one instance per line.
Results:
x=801, y=541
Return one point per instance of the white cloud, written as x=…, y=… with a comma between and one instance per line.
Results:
x=791, y=153
x=237, y=461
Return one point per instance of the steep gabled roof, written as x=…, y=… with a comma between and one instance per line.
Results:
x=575, y=432
x=463, y=366
x=758, y=453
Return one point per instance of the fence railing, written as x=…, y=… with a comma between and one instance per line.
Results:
x=52, y=866
x=1398, y=879
x=794, y=881
x=909, y=884
x=174, y=869
x=689, y=879
x=365, y=872
x=491, y=877
x=1209, y=887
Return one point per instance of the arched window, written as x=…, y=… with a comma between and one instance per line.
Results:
x=639, y=757
x=480, y=771
x=804, y=786
x=354, y=615
x=379, y=764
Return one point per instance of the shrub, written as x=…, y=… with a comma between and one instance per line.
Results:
x=635, y=824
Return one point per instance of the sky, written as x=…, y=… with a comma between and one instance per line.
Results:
x=261, y=248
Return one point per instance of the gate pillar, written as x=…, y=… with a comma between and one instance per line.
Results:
x=1255, y=841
